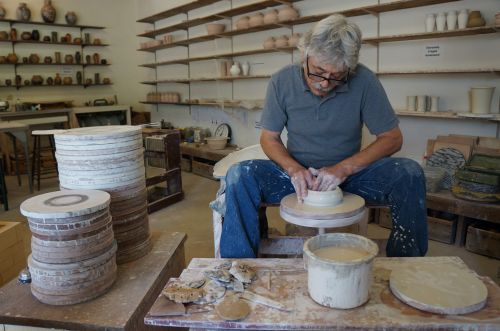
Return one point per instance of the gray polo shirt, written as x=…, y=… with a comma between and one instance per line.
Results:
x=325, y=131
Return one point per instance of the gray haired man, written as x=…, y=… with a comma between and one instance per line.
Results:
x=324, y=103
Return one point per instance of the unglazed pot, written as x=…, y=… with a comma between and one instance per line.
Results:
x=48, y=12
x=36, y=80
x=23, y=13
x=281, y=42
x=269, y=43
x=4, y=35
x=13, y=34
x=271, y=16
x=67, y=80
x=451, y=20
x=58, y=80
x=12, y=58
x=430, y=23
x=287, y=13
x=68, y=59
x=47, y=60
x=242, y=23
x=26, y=35
x=324, y=198
x=463, y=17
x=71, y=18
x=293, y=41
x=214, y=28
x=256, y=19
x=34, y=58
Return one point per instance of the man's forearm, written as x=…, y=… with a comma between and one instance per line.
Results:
x=277, y=152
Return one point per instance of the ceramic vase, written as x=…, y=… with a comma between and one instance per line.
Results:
x=13, y=34
x=35, y=35
x=23, y=13
x=271, y=16
x=235, y=69
x=434, y=103
x=54, y=37
x=79, y=77
x=411, y=103
x=481, y=97
x=58, y=80
x=34, y=58
x=451, y=20
x=421, y=103
x=2, y=12
x=245, y=68
x=88, y=59
x=71, y=18
x=68, y=59
x=67, y=80
x=78, y=57
x=430, y=23
x=57, y=56
x=463, y=17
x=50, y=81
x=48, y=12
x=12, y=58
x=96, y=58
x=441, y=22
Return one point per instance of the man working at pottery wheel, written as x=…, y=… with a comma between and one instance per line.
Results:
x=323, y=102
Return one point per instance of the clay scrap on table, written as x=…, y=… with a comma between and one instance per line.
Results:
x=242, y=272
x=181, y=293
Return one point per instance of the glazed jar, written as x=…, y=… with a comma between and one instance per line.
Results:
x=34, y=58
x=281, y=42
x=68, y=38
x=475, y=19
x=58, y=80
x=430, y=23
x=19, y=80
x=4, y=35
x=451, y=20
x=50, y=81
x=96, y=58
x=78, y=57
x=256, y=19
x=294, y=40
x=269, y=43
x=79, y=77
x=287, y=13
x=23, y=13
x=271, y=16
x=13, y=34
x=35, y=35
x=67, y=80
x=88, y=59
x=26, y=35
x=77, y=41
x=463, y=17
x=57, y=56
x=47, y=60
x=71, y=18
x=36, y=80
x=12, y=58
x=440, y=22
x=48, y=12
x=242, y=23
x=235, y=69
x=8, y=82
x=68, y=59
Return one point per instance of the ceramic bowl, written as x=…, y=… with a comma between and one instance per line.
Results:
x=324, y=198
x=256, y=20
x=281, y=42
x=242, y=23
x=216, y=142
x=214, y=28
x=269, y=43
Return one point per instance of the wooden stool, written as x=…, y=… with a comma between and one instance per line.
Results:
x=37, y=151
x=3, y=187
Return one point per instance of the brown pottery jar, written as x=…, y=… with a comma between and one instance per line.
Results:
x=48, y=12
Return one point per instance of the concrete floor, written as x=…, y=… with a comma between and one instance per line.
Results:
x=193, y=217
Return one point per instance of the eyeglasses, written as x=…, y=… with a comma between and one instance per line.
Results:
x=319, y=78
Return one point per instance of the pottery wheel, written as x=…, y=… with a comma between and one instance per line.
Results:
x=63, y=204
x=349, y=211
x=442, y=289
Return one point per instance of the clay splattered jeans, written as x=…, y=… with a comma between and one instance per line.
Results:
x=396, y=182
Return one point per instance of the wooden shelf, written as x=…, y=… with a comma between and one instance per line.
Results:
x=220, y=56
x=433, y=35
x=56, y=64
x=176, y=10
x=445, y=115
x=52, y=24
x=374, y=9
x=495, y=71
x=208, y=79
x=53, y=86
x=226, y=103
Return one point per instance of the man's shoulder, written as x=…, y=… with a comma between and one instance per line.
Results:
x=364, y=72
x=285, y=73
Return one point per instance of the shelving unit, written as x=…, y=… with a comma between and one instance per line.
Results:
x=81, y=46
x=359, y=11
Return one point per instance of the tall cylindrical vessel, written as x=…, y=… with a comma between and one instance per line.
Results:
x=481, y=97
x=451, y=20
x=110, y=158
x=463, y=17
x=342, y=279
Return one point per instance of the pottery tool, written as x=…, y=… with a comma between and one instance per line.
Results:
x=350, y=211
x=439, y=288
x=254, y=297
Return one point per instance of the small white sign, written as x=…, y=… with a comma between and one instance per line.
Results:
x=68, y=71
x=432, y=51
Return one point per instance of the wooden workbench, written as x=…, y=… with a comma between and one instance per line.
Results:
x=122, y=308
x=200, y=159
x=289, y=286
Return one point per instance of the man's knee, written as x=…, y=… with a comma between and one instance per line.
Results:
x=407, y=170
x=240, y=171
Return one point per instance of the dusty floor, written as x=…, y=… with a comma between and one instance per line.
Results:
x=193, y=217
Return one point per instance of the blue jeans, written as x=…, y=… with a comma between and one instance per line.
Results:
x=396, y=182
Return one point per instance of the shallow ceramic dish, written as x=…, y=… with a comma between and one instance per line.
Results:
x=216, y=142
x=324, y=198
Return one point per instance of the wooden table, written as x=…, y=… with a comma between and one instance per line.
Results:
x=123, y=308
x=200, y=158
x=289, y=286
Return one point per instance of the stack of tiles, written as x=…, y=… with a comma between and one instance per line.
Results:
x=73, y=251
x=110, y=158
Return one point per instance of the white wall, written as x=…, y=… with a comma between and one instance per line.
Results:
x=117, y=16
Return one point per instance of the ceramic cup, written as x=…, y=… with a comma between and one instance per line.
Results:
x=421, y=103
x=451, y=20
x=411, y=103
x=481, y=97
x=430, y=23
x=441, y=22
x=434, y=103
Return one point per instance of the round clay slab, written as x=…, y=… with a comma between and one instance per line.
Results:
x=232, y=308
x=439, y=288
x=61, y=204
x=99, y=132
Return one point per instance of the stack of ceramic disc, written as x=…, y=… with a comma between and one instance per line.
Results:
x=73, y=251
x=110, y=158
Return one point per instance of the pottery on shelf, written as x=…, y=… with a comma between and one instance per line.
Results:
x=8, y=82
x=324, y=198
x=475, y=19
x=245, y=68
x=34, y=58
x=441, y=22
x=271, y=16
x=215, y=28
x=57, y=56
x=35, y=35
x=77, y=41
x=26, y=35
x=430, y=23
x=36, y=80
x=12, y=58
x=46, y=39
x=2, y=12
x=256, y=19
x=108, y=81
x=97, y=78
x=19, y=80
x=47, y=60
x=67, y=80
x=287, y=13
x=23, y=13
x=481, y=97
x=97, y=41
x=451, y=20
x=78, y=57
x=96, y=57
x=281, y=41
x=242, y=23
x=25, y=59
x=269, y=43
x=13, y=34
x=68, y=38
x=4, y=35
x=50, y=81
x=71, y=18
x=88, y=81
x=293, y=41
x=68, y=59
x=88, y=59
x=3, y=59
x=58, y=80
x=79, y=77
x=27, y=82
x=463, y=17
x=48, y=12
x=235, y=69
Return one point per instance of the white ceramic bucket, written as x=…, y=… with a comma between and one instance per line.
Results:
x=481, y=97
x=339, y=284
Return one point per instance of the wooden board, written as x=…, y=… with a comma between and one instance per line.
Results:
x=439, y=288
x=288, y=285
x=137, y=285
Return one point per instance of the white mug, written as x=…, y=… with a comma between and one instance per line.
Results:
x=411, y=103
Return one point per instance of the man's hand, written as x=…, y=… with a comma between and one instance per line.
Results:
x=327, y=179
x=302, y=180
